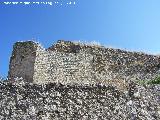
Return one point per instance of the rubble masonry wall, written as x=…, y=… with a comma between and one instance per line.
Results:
x=88, y=64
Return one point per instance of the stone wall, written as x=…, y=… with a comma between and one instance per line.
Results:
x=69, y=62
x=105, y=90
x=22, y=61
x=41, y=66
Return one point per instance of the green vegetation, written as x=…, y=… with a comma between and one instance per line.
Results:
x=156, y=80
x=142, y=82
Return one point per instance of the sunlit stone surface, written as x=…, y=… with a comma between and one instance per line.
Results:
x=73, y=81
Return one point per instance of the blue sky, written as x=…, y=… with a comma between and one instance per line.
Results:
x=128, y=24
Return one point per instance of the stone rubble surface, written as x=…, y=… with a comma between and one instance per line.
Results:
x=20, y=100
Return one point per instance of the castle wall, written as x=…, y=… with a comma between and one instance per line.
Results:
x=70, y=68
x=81, y=68
x=41, y=66
x=22, y=60
x=70, y=63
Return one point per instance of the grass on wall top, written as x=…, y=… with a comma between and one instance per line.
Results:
x=156, y=80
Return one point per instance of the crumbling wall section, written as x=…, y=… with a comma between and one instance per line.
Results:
x=69, y=62
x=22, y=60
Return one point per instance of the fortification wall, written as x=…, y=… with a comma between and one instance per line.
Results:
x=70, y=68
x=41, y=66
x=68, y=62
x=22, y=61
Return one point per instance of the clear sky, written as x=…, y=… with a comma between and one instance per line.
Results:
x=128, y=24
